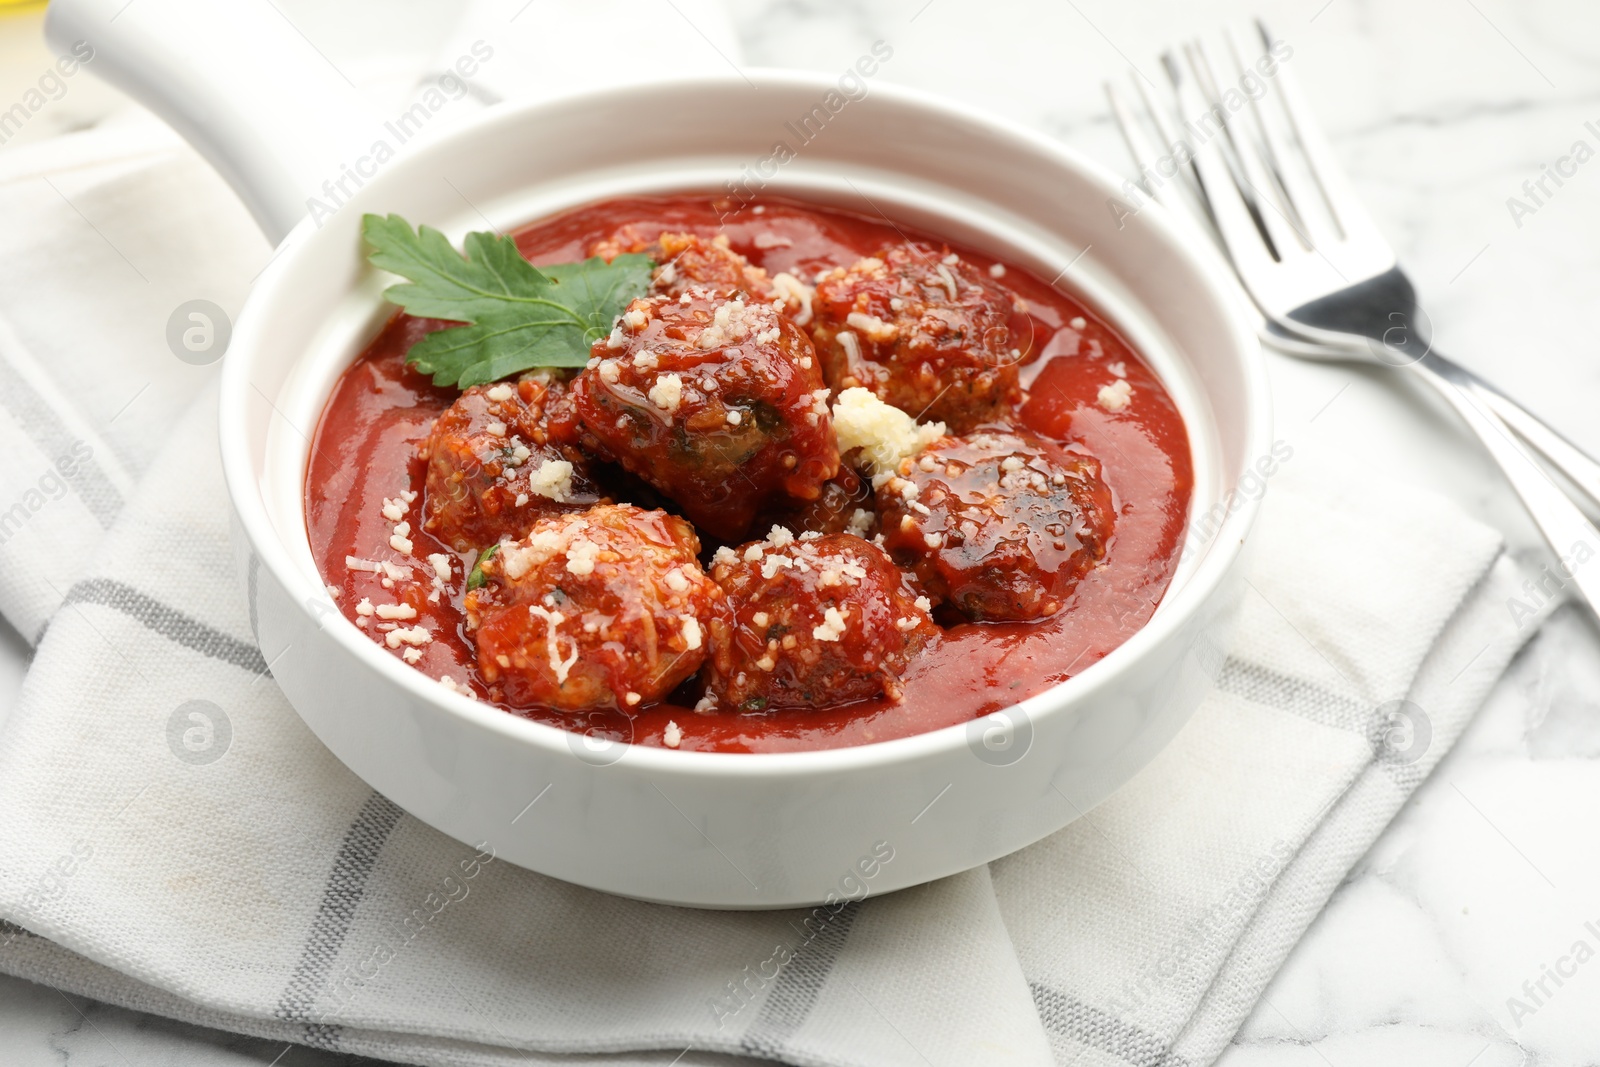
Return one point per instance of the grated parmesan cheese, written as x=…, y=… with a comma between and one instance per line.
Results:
x=832, y=627
x=415, y=636
x=1116, y=396
x=793, y=289
x=553, y=619
x=875, y=328
x=851, y=345
x=885, y=434
x=553, y=479
x=581, y=555
x=667, y=392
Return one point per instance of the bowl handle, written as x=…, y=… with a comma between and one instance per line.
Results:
x=241, y=84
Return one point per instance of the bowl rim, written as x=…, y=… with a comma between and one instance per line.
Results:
x=1221, y=552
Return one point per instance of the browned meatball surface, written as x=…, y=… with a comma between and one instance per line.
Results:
x=716, y=402
x=812, y=621
x=1000, y=526
x=605, y=608
x=924, y=331
x=493, y=468
x=845, y=505
x=684, y=260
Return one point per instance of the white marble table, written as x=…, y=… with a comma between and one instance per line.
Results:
x=1440, y=109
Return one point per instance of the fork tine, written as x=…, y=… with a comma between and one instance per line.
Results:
x=1160, y=117
x=1343, y=205
x=1145, y=157
x=1243, y=239
x=1305, y=197
x=1275, y=215
x=1176, y=191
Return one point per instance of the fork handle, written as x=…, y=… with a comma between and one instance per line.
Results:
x=1575, y=465
x=1573, y=462
x=1566, y=529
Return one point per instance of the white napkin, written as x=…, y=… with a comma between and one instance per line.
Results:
x=172, y=839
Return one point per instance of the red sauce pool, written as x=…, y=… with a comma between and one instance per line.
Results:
x=365, y=450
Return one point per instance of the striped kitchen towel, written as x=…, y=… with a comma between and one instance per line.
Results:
x=173, y=839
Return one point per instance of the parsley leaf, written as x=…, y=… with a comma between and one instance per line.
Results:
x=515, y=316
x=475, y=577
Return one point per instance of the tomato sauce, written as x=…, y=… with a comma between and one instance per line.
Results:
x=365, y=452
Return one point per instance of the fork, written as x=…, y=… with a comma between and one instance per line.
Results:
x=1326, y=283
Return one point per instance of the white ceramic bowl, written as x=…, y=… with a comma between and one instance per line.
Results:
x=722, y=830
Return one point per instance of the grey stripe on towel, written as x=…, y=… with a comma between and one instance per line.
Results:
x=341, y=895
x=795, y=990
x=40, y=422
x=167, y=621
x=1259, y=685
x=1098, y=1029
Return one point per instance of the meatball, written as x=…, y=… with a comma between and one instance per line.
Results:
x=493, y=467
x=844, y=506
x=812, y=621
x=997, y=525
x=604, y=608
x=716, y=402
x=684, y=260
x=924, y=331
